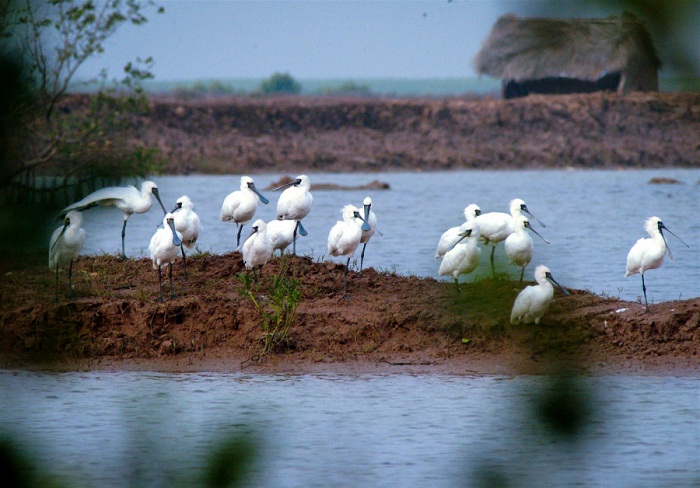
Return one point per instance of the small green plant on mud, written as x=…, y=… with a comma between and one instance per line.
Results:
x=277, y=309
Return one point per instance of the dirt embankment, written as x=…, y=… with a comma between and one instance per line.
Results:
x=390, y=323
x=295, y=134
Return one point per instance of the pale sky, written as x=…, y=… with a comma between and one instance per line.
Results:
x=318, y=39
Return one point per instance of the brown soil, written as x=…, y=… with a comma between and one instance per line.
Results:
x=390, y=323
x=307, y=134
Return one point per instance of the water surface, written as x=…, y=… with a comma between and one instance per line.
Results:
x=114, y=429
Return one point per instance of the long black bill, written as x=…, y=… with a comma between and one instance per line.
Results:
x=155, y=192
x=551, y=278
x=365, y=221
x=662, y=226
x=260, y=196
x=176, y=239
x=286, y=185
x=527, y=211
x=463, y=235
x=65, y=226
x=527, y=224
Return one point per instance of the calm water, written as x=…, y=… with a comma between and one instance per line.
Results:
x=593, y=218
x=114, y=429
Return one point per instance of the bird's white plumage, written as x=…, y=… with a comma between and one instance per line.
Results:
x=295, y=201
x=161, y=248
x=281, y=233
x=519, y=244
x=126, y=198
x=533, y=301
x=257, y=249
x=239, y=206
x=497, y=226
x=187, y=221
x=452, y=235
x=66, y=241
x=464, y=257
x=345, y=235
x=647, y=253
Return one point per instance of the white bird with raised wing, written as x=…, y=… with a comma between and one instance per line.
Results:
x=533, y=301
x=295, y=203
x=464, y=256
x=257, y=248
x=497, y=226
x=126, y=198
x=519, y=244
x=649, y=253
x=164, y=249
x=453, y=234
x=239, y=206
x=187, y=223
x=281, y=233
x=65, y=246
x=344, y=238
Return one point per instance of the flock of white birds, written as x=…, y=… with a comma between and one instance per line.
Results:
x=458, y=248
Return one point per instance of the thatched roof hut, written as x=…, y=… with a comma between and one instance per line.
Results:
x=540, y=55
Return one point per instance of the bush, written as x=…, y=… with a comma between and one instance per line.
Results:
x=280, y=83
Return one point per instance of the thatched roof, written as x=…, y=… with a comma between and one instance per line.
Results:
x=586, y=49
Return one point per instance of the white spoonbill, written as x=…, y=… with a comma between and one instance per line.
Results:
x=519, y=244
x=164, y=250
x=281, y=233
x=464, y=256
x=295, y=204
x=497, y=226
x=649, y=253
x=368, y=226
x=126, y=198
x=257, y=248
x=239, y=206
x=453, y=234
x=533, y=301
x=65, y=246
x=187, y=223
x=344, y=238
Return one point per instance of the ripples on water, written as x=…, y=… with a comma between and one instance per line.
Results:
x=114, y=429
x=593, y=218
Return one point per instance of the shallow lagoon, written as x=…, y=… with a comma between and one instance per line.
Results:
x=113, y=429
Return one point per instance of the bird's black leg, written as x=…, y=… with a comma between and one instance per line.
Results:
x=184, y=259
x=294, y=240
x=238, y=236
x=644, y=288
x=362, y=257
x=123, y=235
x=522, y=273
x=493, y=268
x=457, y=285
x=160, y=284
x=172, y=288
